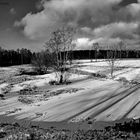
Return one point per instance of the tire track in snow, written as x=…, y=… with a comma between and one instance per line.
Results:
x=126, y=92
x=115, y=102
x=130, y=110
x=59, y=115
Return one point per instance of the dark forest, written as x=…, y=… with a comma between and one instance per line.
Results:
x=25, y=56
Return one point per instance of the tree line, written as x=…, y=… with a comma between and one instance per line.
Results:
x=15, y=57
x=25, y=56
x=102, y=54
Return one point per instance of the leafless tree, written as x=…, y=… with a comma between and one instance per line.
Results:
x=114, y=54
x=112, y=58
x=60, y=46
x=90, y=52
x=96, y=49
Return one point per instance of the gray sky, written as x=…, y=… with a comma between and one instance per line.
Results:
x=29, y=23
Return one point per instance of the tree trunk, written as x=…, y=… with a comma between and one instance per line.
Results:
x=61, y=79
x=111, y=72
x=112, y=69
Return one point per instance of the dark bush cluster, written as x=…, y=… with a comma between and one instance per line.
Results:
x=25, y=100
x=29, y=91
x=120, y=131
x=99, y=75
x=54, y=82
x=131, y=126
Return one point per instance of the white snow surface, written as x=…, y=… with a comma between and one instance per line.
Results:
x=100, y=99
x=2, y=86
x=43, y=80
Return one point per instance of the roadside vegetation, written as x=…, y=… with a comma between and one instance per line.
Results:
x=120, y=131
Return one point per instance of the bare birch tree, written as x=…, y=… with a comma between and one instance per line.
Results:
x=112, y=58
x=60, y=46
x=114, y=54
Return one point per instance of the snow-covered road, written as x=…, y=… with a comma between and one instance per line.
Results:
x=99, y=99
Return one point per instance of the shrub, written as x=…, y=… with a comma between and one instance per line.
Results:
x=134, y=82
x=123, y=79
x=99, y=75
x=3, y=134
x=25, y=100
x=53, y=82
x=29, y=91
x=2, y=96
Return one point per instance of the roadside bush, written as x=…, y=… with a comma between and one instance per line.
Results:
x=99, y=75
x=40, y=70
x=25, y=99
x=119, y=131
x=3, y=134
x=29, y=91
x=53, y=82
x=2, y=97
x=135, y=82
x=123, y=79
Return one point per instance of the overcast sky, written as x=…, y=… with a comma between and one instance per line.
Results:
x=28, y=23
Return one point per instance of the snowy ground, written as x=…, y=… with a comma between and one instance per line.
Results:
x=100, y=99
x=129, y=69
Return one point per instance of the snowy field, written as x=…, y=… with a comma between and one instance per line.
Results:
x=101, y=99
x=125, y=68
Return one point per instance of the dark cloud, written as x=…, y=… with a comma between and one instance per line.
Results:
x=114, y=19
x=127, y=2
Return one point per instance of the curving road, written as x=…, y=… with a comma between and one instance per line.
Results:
x=101, y=100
